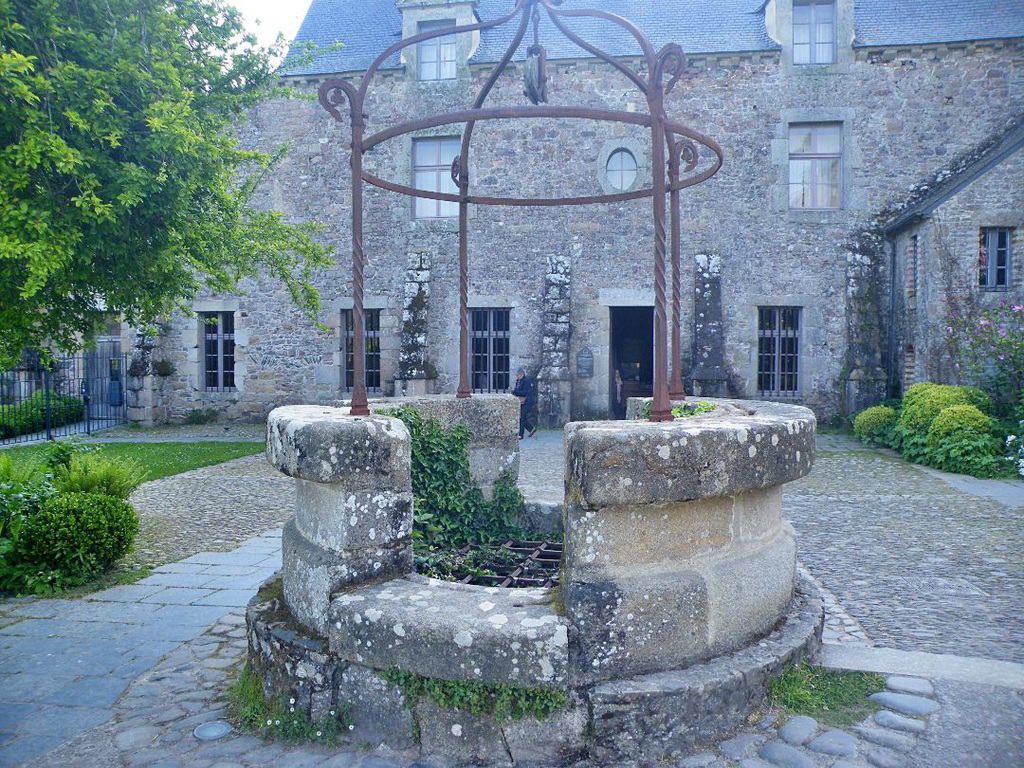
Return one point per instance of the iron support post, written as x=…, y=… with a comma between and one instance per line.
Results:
x=661, y=409
x=675, y=390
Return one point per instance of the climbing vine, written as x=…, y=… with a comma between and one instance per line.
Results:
x=449, y=510
x=502, y=701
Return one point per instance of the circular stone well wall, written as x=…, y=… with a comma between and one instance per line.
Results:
x=678, y=598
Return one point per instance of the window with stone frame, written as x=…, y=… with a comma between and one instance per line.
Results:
x=372, y=363
x=432, y=171
x=995, y=259
x=778, y=351
x=814, y=31
x=621, y=170
x=217, y=331
x=815, y=166
x=437, y=58
x=490, y=349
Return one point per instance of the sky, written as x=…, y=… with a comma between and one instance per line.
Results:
x=275, y=16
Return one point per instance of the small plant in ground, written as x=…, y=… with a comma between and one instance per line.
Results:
x=502, y=701
x=94, y=473
x=833, y=697
x=200, y=416
x=59, y=453
x=279, y=719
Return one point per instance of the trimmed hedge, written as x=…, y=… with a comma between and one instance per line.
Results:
x=77, y=535
x=944, y=426
x=872, y=424
x=30, y=415
x=922, y=406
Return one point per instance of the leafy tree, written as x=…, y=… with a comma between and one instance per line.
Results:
x=123, y=188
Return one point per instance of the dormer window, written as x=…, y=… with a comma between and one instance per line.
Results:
x=437, y=57
x=814, y=31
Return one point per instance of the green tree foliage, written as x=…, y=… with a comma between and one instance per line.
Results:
x=123, y=189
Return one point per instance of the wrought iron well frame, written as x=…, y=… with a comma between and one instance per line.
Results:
x=675, y=151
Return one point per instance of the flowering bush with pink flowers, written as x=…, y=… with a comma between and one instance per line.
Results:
x=990, y=352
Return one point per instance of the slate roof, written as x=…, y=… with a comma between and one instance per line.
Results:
x=907, y=22
x=367, y=27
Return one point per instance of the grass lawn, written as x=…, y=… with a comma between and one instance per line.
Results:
x=829, y=696
x=159, y=459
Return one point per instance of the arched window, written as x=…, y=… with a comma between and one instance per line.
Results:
x=621, y=169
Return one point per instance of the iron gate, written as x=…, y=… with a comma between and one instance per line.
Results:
x=68, y=396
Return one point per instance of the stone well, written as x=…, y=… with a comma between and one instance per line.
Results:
x=678, y=600
x=493, y=421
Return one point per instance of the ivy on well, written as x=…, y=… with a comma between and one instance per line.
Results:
x=449, y=510
x=502, y=701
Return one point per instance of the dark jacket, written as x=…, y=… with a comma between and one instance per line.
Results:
x=525, y=388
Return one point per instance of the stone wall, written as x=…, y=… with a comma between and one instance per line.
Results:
x=905, y=113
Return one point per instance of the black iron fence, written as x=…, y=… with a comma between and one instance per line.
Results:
x=67, y=396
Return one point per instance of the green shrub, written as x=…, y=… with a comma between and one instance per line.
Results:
x=960, y=440
x=59, y=452
x=920, y=410
x=92, y=473
x=916, y=391
x=29, y=416
x=872, y=424
x=954, y=420
x=77, y=536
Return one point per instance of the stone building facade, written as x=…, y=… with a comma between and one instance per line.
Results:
x=781, y=300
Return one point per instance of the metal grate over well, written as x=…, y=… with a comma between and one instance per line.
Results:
x=516, y=564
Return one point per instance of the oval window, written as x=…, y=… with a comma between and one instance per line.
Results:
x=621, y=170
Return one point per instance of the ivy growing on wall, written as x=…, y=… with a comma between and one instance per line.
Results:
x=449, y=510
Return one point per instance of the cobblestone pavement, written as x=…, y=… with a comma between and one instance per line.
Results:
x=209, y=509
x=919, y=563
x=65, y=663
x=542, y=467
x=174, y=433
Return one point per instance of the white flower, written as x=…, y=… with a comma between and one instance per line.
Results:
x=270, y=722
x=277, y=722
x=332, y=713
x=351, y=727
x=319, y=734
x=291, y=701
x=291, y=709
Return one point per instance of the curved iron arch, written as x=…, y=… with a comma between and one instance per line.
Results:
x=675, y=149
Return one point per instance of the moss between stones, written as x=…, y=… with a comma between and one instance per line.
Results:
x=502, y=701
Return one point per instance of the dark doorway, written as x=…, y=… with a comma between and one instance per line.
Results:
x=632, y=355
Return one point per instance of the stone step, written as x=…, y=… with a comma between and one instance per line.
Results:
x=905, y=703
x=888, y=719
x=453, y=631
x=916, y=686
x=883, y=737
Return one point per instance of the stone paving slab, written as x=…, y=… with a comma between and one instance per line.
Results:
x=64, y=664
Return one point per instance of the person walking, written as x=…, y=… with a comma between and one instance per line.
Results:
x=527, y=395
